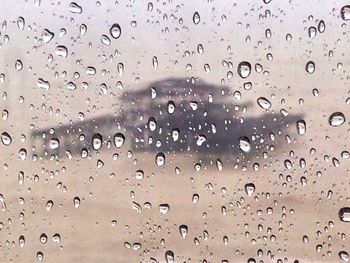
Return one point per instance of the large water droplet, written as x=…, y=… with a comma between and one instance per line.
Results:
x=336, y=119
x=344, y=256
x=344, y=214
x=119, y=139
x=345, y=12
x=6, y=138
x=20, y=22
x=160, y=159
x=54, y=143
x=115, y=31
x=96, y=141
x=169, y=256
x=244, y=144
x=196, y=18
x=61, y=51
x=244, y=68
x=249, y=189
x=75, y=8
x=264, y=103
x=310, y=67
x=301, y=127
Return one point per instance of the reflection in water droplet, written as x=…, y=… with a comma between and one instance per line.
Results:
x=336, y=119
x=96, y=141
x=344, y=214
x=119, y=139
x=249, y=189
x=264, y=103
x=310, y=67
x=183, y=231
x=345, y=12
x=244, y=68
x=301, y=127
x=344, y=256
x=76, y=202
x=115, y=31
x=196, y=18
x=47, y=35
x=105, y=40
x=61, y=51
x=18, y=65
x=6, y=138
x=321, y=27
x=20, y=22
x=169, y=256
x=75, y=8
x=160, y=159
x=164, y=208
x=244, y=144
x=54, y=143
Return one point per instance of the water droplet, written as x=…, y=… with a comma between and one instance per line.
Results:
x=6, y=138
x=75, y=8
x=20, y=22
x=96, y=141
x=310, y=67
x=115, y=31
x=164, y=208
x=200, y=140
x=344, y=256
x=264, y=103
x=49, y=205
x=47, y=35
x=169, y=256
x=183, y=230
x=40, y=256
x=56, y=238
x=196, y=18
x=105, y=40
x=244, y=144
x=76, y=202
x=301, y=127
x=321, y=27
x=171, y=107
x=61, y=51
x=54, y=143
x=244, y=69
x=119, y=139
x=160, y=159
x=82, y=29
x=43, y=238
x=71, y=86
x=345, y=12
x=312, y=32
x=336, y=119
x=249, y=189
x=43, y=84
x=18, y=65
x=344, y=214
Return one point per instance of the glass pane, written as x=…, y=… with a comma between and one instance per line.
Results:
x=174, y=131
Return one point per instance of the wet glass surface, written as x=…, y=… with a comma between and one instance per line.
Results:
x=174, y=131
